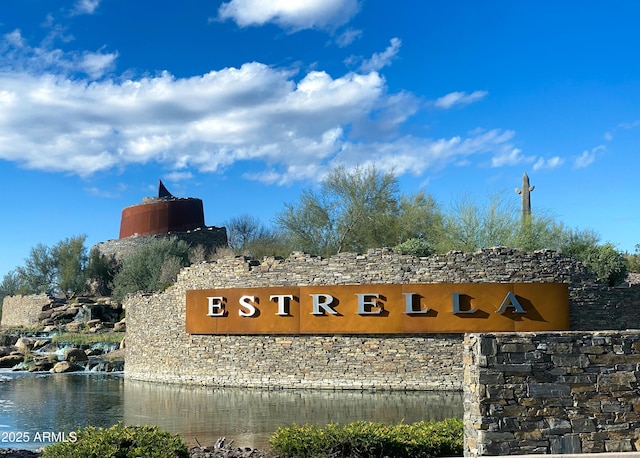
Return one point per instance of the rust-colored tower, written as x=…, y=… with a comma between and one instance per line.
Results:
x=161, y=215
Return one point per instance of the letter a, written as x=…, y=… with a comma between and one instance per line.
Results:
x=511, y=302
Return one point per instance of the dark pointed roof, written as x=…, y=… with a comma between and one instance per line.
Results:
x=163, y=192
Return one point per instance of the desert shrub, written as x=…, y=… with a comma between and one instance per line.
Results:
x=415, y=247
x=366, y=439
x=151, y=267
x=608, y=263
x=120, y=441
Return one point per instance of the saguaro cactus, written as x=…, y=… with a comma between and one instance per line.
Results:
x=525, y=192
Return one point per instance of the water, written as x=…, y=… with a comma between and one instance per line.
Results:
x=39, y=405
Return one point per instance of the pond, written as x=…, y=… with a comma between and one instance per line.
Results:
x=42, y=407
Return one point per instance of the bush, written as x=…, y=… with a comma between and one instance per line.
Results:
x=415, y=247
x=151, y=267
x=608, y=263
x=120, y=441
x=367, y=439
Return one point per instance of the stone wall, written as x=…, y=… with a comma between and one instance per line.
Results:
x=159, y=349
x=23, y=310
x=560, y=393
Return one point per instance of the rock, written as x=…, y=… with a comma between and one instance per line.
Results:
x=75, y=354
x=24, y=344
x=65, y=366
x=50, y=328
x=7, y=350
x=11, y=360
x=97, y=327
x=120, y=326
x=123, y=344
x=93, y=323
x=74, y=326
x=41, y=364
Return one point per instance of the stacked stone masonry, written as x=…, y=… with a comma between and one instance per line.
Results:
x=159, y=349
x=23, y=311
x=560, y=393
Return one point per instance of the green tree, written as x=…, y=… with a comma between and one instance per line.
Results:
x=151, y=267
x=10, y=286
x=633, y=260
x=469, y=225
x=242, y=230
x=70, y=259
x=39, y=270
x=606, y=262
x=355, y=210
x=101, y=270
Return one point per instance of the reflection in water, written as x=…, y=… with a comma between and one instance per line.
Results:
x=63, y=403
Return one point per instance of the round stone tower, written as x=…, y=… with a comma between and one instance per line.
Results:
x=161, y=215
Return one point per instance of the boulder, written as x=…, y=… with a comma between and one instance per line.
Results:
x=24, y=344
x=93, y=323
x=7, y=350
x=27, y=344
x=11, y=360
x=75, y=354
x=65, y=366
x=74, y=326
x=41, y=364
x=120, y=326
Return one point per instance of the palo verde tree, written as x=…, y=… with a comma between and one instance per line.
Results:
x=355, y=210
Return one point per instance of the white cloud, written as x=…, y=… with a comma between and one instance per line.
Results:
x=296, y=128
x=55, y=119
x=86, y=6
x=459, y=98
x=290, y=15
x=178, y=176
x=510, y=156
x=382, y=59
x=14, y=39
x=588, y=157
x=19, y=55
x=550, y=163
x=347, y=37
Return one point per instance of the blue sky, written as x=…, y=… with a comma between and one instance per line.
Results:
x=243, y=103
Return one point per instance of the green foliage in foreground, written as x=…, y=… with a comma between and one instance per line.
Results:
x=367, y=439
x=120, y=441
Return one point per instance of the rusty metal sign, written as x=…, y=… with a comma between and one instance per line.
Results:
x=379, y=309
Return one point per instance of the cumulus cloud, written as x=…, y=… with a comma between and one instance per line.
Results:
x=86, y=6
x=550, y=163
x=59, y=112
x=291, y=16
x=347, y=37
x=510, y=156
x=587, y=157
x=17, y=54
x=382, y=59
x=459, y=98
x=296, y=125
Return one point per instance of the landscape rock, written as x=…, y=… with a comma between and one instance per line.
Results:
x=93, y=323
x=66, y=366
x=75, y=354
x=41, y=364
x=74, y=326
x=11, y=360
